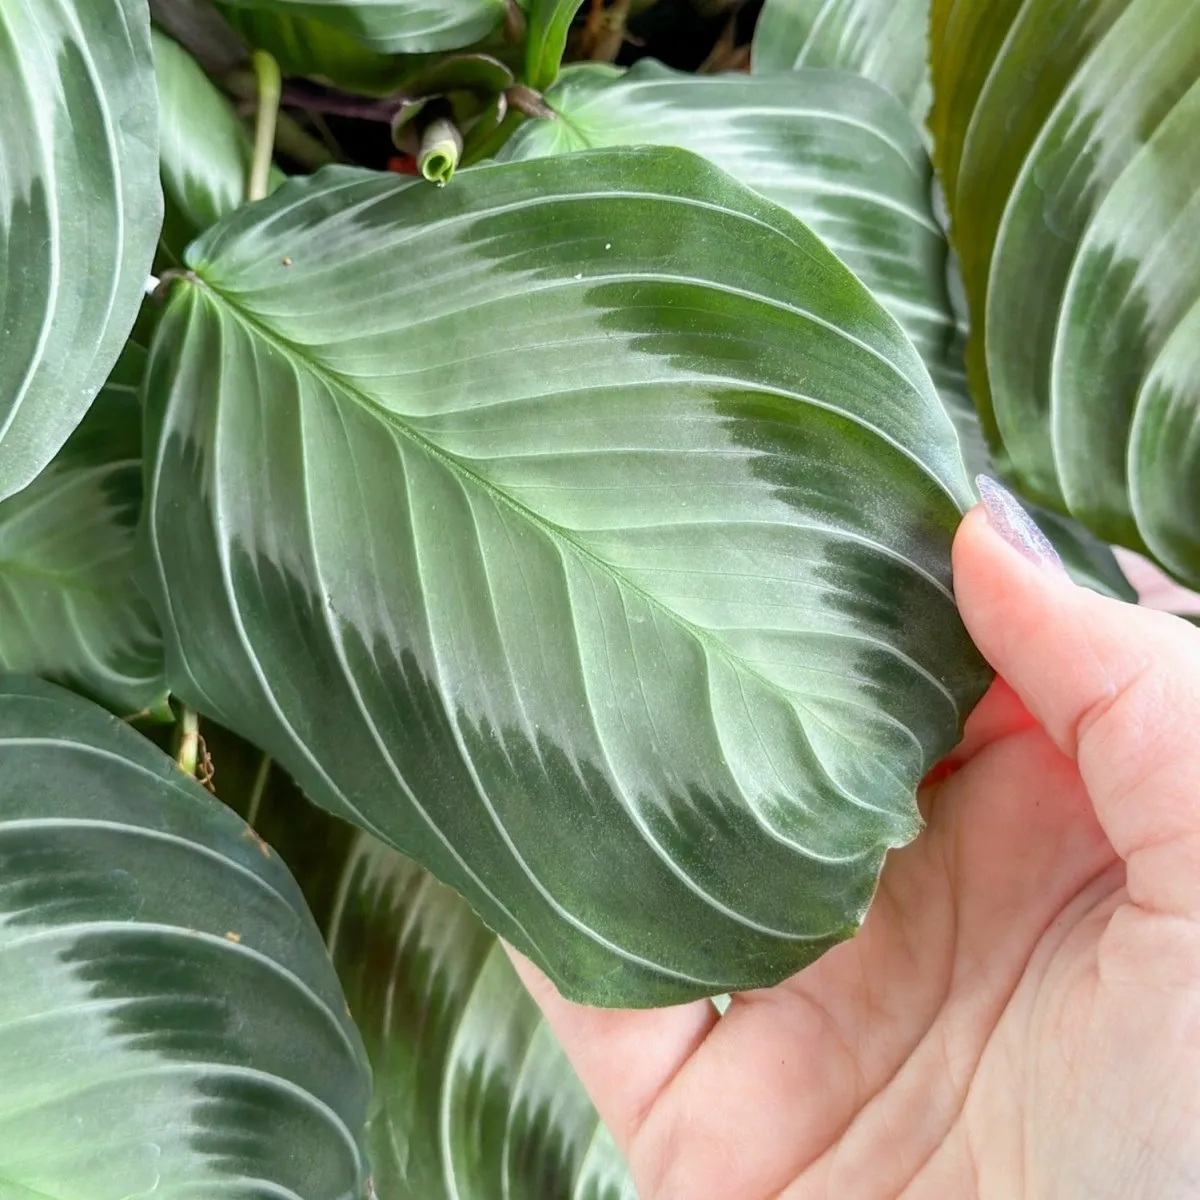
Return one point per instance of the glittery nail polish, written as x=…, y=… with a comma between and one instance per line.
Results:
x=1010, y=520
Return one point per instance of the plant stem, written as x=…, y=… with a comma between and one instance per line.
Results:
x=270, y=90
x=258, y=789
x=188, y=753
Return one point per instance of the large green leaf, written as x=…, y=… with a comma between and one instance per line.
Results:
x=583, y=530
x=840, y=155
x=1066, y=138
x=882, y=40
x=69, y=606
x=206, y=151
x=394, y=26
x=833, y=149
x=169, y=1021
x=80, y=210
x=473, y=1097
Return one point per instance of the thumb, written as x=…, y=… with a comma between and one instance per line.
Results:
x=1116, y=687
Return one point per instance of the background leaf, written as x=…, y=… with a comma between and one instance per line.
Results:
x=473, y=1096
x=206, y=150
x=1075, y=201
x=394, y=26
x=69, y=606
x=546, y=39
x=582, y=529
x=303, y=45
x=882, y=40
x=169, y=1021
x=80, y=210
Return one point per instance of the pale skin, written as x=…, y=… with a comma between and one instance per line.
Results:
x=1019, y=1016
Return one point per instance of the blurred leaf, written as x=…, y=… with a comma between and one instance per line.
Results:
x=169, y=1020
x=584, y=503
x=546, y=39
x=1066, y=139
x=80, y=210
x=473, y=1096
x=69, y=606
x=392, y=26
x=1089, y=561
x=199, y=28
x=206, y=151
x=305, y=46
x=882, y=40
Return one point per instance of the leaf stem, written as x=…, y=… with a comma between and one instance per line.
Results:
x=270, y=91
x=187, y=755
x=258, y=789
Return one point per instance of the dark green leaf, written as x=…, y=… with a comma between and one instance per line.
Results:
x=169, y=1021
x=393, y=26
x=582, y=529
x=473, y=1096
x=882, y=40
x=1089, y=561
x=546, y=39
x=206, y=151
x=479, y=73
x=69, y=606
x=80, y=209
x=304, y=46
x=1066, y=138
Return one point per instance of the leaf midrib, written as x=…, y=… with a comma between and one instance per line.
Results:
x=557, y=533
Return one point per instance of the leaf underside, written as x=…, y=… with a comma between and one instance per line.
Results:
x=1075, y=205
x=582, y=530
x=80, y=210
x=169, y=1020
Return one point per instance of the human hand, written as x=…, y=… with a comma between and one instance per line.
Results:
x=1020, y=1014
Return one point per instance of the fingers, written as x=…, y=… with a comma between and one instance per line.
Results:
x=1116, y=687
x=625, y=1059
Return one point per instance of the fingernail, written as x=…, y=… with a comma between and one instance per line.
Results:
x=1016, y=526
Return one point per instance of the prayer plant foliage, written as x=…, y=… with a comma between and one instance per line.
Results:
x=575, y=537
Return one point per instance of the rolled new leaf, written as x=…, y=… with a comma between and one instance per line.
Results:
x=581, y=529
x=80, y=209
x=170, y=1023
x=440, y=149
x=70, y=606
x=1074, y=209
